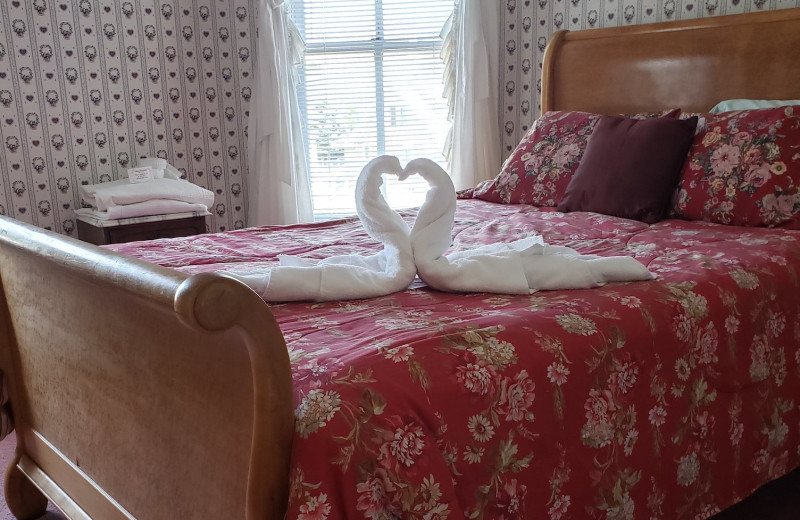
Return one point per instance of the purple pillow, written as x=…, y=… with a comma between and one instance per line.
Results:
x=630, y=167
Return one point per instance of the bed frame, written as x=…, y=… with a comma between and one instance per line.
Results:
x=130, y=390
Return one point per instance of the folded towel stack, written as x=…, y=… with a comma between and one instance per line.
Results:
x=166, y=194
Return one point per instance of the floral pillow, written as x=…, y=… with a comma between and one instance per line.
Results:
x=538, y=171
x=744, y=169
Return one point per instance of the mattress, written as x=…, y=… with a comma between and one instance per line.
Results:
x=672, y=398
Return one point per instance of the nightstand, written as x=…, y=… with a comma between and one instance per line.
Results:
x=100, y=232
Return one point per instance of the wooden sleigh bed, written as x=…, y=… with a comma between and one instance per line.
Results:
x=125, y=403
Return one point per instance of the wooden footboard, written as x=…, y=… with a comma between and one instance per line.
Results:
x=170, y=393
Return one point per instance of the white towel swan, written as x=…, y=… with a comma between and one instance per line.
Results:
x=519, y=267
x=349, y=276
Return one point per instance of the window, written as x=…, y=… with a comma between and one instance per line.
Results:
x=370, y=85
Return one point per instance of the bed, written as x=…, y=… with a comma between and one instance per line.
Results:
x=144, y=384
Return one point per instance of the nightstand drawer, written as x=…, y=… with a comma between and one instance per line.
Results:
x=141, y=230
x=151, y=232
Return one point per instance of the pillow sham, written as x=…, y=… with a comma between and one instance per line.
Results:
x=751, y=104
x=630, y=167
x=744, y=169
x=539, y=169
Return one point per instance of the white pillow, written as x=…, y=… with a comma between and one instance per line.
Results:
x=750, y=104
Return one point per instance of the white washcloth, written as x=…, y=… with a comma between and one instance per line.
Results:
x=519, y=267
x=141, y=209
x=153, y=162
x=158, y=173
x=161, y=168
x=349, y=276
x=116, y=193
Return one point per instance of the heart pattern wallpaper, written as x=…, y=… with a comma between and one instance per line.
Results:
x=528, y=24
x=88, y=86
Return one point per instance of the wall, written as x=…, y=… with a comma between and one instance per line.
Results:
x=86, y=86
x=528, y=24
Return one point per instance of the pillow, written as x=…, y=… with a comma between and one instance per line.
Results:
x=750, y=104
x=630, y=167
x=538, y=171
x=744, y=169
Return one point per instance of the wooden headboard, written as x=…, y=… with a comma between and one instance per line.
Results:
x=690, y=64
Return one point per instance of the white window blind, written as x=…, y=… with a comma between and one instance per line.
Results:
x=370, y=85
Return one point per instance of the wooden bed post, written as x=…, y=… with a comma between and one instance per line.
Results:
x=24, y=499
x=214, y=303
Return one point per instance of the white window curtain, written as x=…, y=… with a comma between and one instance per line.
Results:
x=471, y=53
x=278, y=190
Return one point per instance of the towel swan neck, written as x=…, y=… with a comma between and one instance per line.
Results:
x=378, y=218
x=430, y=235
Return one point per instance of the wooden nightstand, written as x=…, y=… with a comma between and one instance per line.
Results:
x=100, y=232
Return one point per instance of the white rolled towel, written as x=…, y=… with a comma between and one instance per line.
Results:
x=347, y=277
x=520, y=267
x=116, y=193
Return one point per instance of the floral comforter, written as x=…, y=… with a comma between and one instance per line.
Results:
x=668, y=399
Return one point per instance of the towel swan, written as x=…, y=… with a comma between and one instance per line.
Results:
x=520, y=267
x=344, y=277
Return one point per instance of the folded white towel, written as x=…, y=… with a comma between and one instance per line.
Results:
x=349, y=276
x=519, y=267
x=153, y=162
x=108, y=194
x=141, y=209
x=158, y=173
x=161, y=168
x=156, y=164
x=171, y=172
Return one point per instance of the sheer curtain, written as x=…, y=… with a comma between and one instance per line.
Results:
x=278, y=190
x=471, y=53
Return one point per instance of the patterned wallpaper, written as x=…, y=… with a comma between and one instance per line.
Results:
x=529, y=23
x=86, y=86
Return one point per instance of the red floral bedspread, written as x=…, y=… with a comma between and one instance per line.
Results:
x=665, y=399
